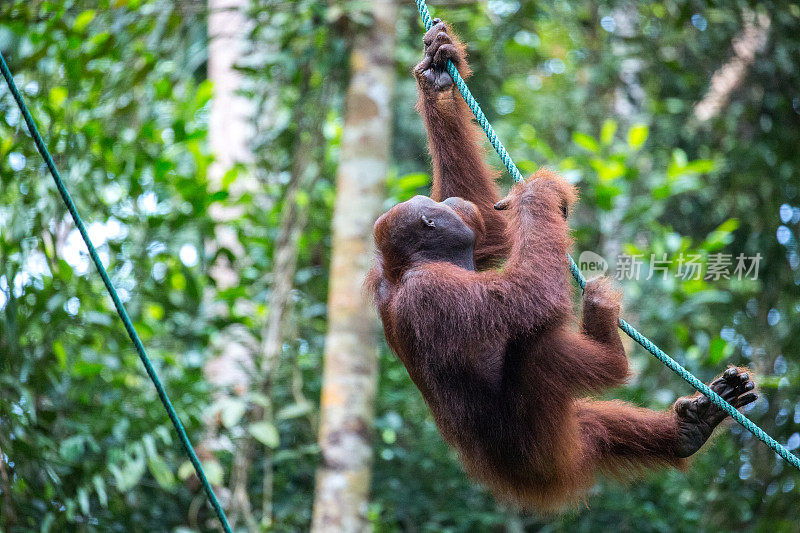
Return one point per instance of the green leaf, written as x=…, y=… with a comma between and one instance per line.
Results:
x=732, y=224
x=232, y=411
x=154, y=312
x=413, y=181
x=528, y=133
x=204, y=92
x=699, y=166
x=47, y=522
x=260, y=399
x=130, y=470
x=606, y=195
x=585, y=141
x=161, y=471
x=83, y=500
x=57, y=96
x=214, y=472
x=526, y=166
x=229, y=177
x=608, y=131
x=717, y=351
x=100, y=489
x=294, y=410
x=97, y=318
x=185, y=470
x=679, y=158
x=661, y=192
x=607, y=170
x=301, y=199
x=83, y=20
x=265, y=433
x=84, y=369
x=389, y=436
x=71, y=448
x=149, y=444
x=99, y=38
x=637, y=135
x=61, y=354
x=611, y=171
x=722, y=235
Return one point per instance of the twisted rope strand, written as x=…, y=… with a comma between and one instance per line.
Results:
x=629, y=330
x=123, y=314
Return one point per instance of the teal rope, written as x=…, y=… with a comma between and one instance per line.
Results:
x=629, y=330
x=123, y=314
x=473, y=104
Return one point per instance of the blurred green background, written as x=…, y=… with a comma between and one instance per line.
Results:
x=608, y=92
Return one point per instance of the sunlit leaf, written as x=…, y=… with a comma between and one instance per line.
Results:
x=721, y=236
x=637, y=135
x=60, y=353
x=161, y=471
x=83, y=500
x=266, y=433
x=700, y=166
x=716, y=351
x=86, y=369
x=57, y=96
x=100, y=490
x=214, y=472
x=185, y=470
x=607, y=131
x=72, y=448
x=294, y=410
x=585, y=141
x=83, y=20
x=231, y=411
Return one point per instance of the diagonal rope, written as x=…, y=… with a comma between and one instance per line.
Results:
x=123, y=314
x=629, y=330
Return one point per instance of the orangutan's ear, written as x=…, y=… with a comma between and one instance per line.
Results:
x=503, y=204
x=428, y=222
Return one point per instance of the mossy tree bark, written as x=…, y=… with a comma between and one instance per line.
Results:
x=350, y=369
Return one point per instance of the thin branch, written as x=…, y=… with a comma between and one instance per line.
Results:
x=729, y=76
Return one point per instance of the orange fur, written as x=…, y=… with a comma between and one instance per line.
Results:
x=493, y=351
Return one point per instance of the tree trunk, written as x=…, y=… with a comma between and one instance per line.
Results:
x=729, y=76
x=309, y=152
x=351, y=348
x=230, y=136
x=5, y=486
x=230, y=122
